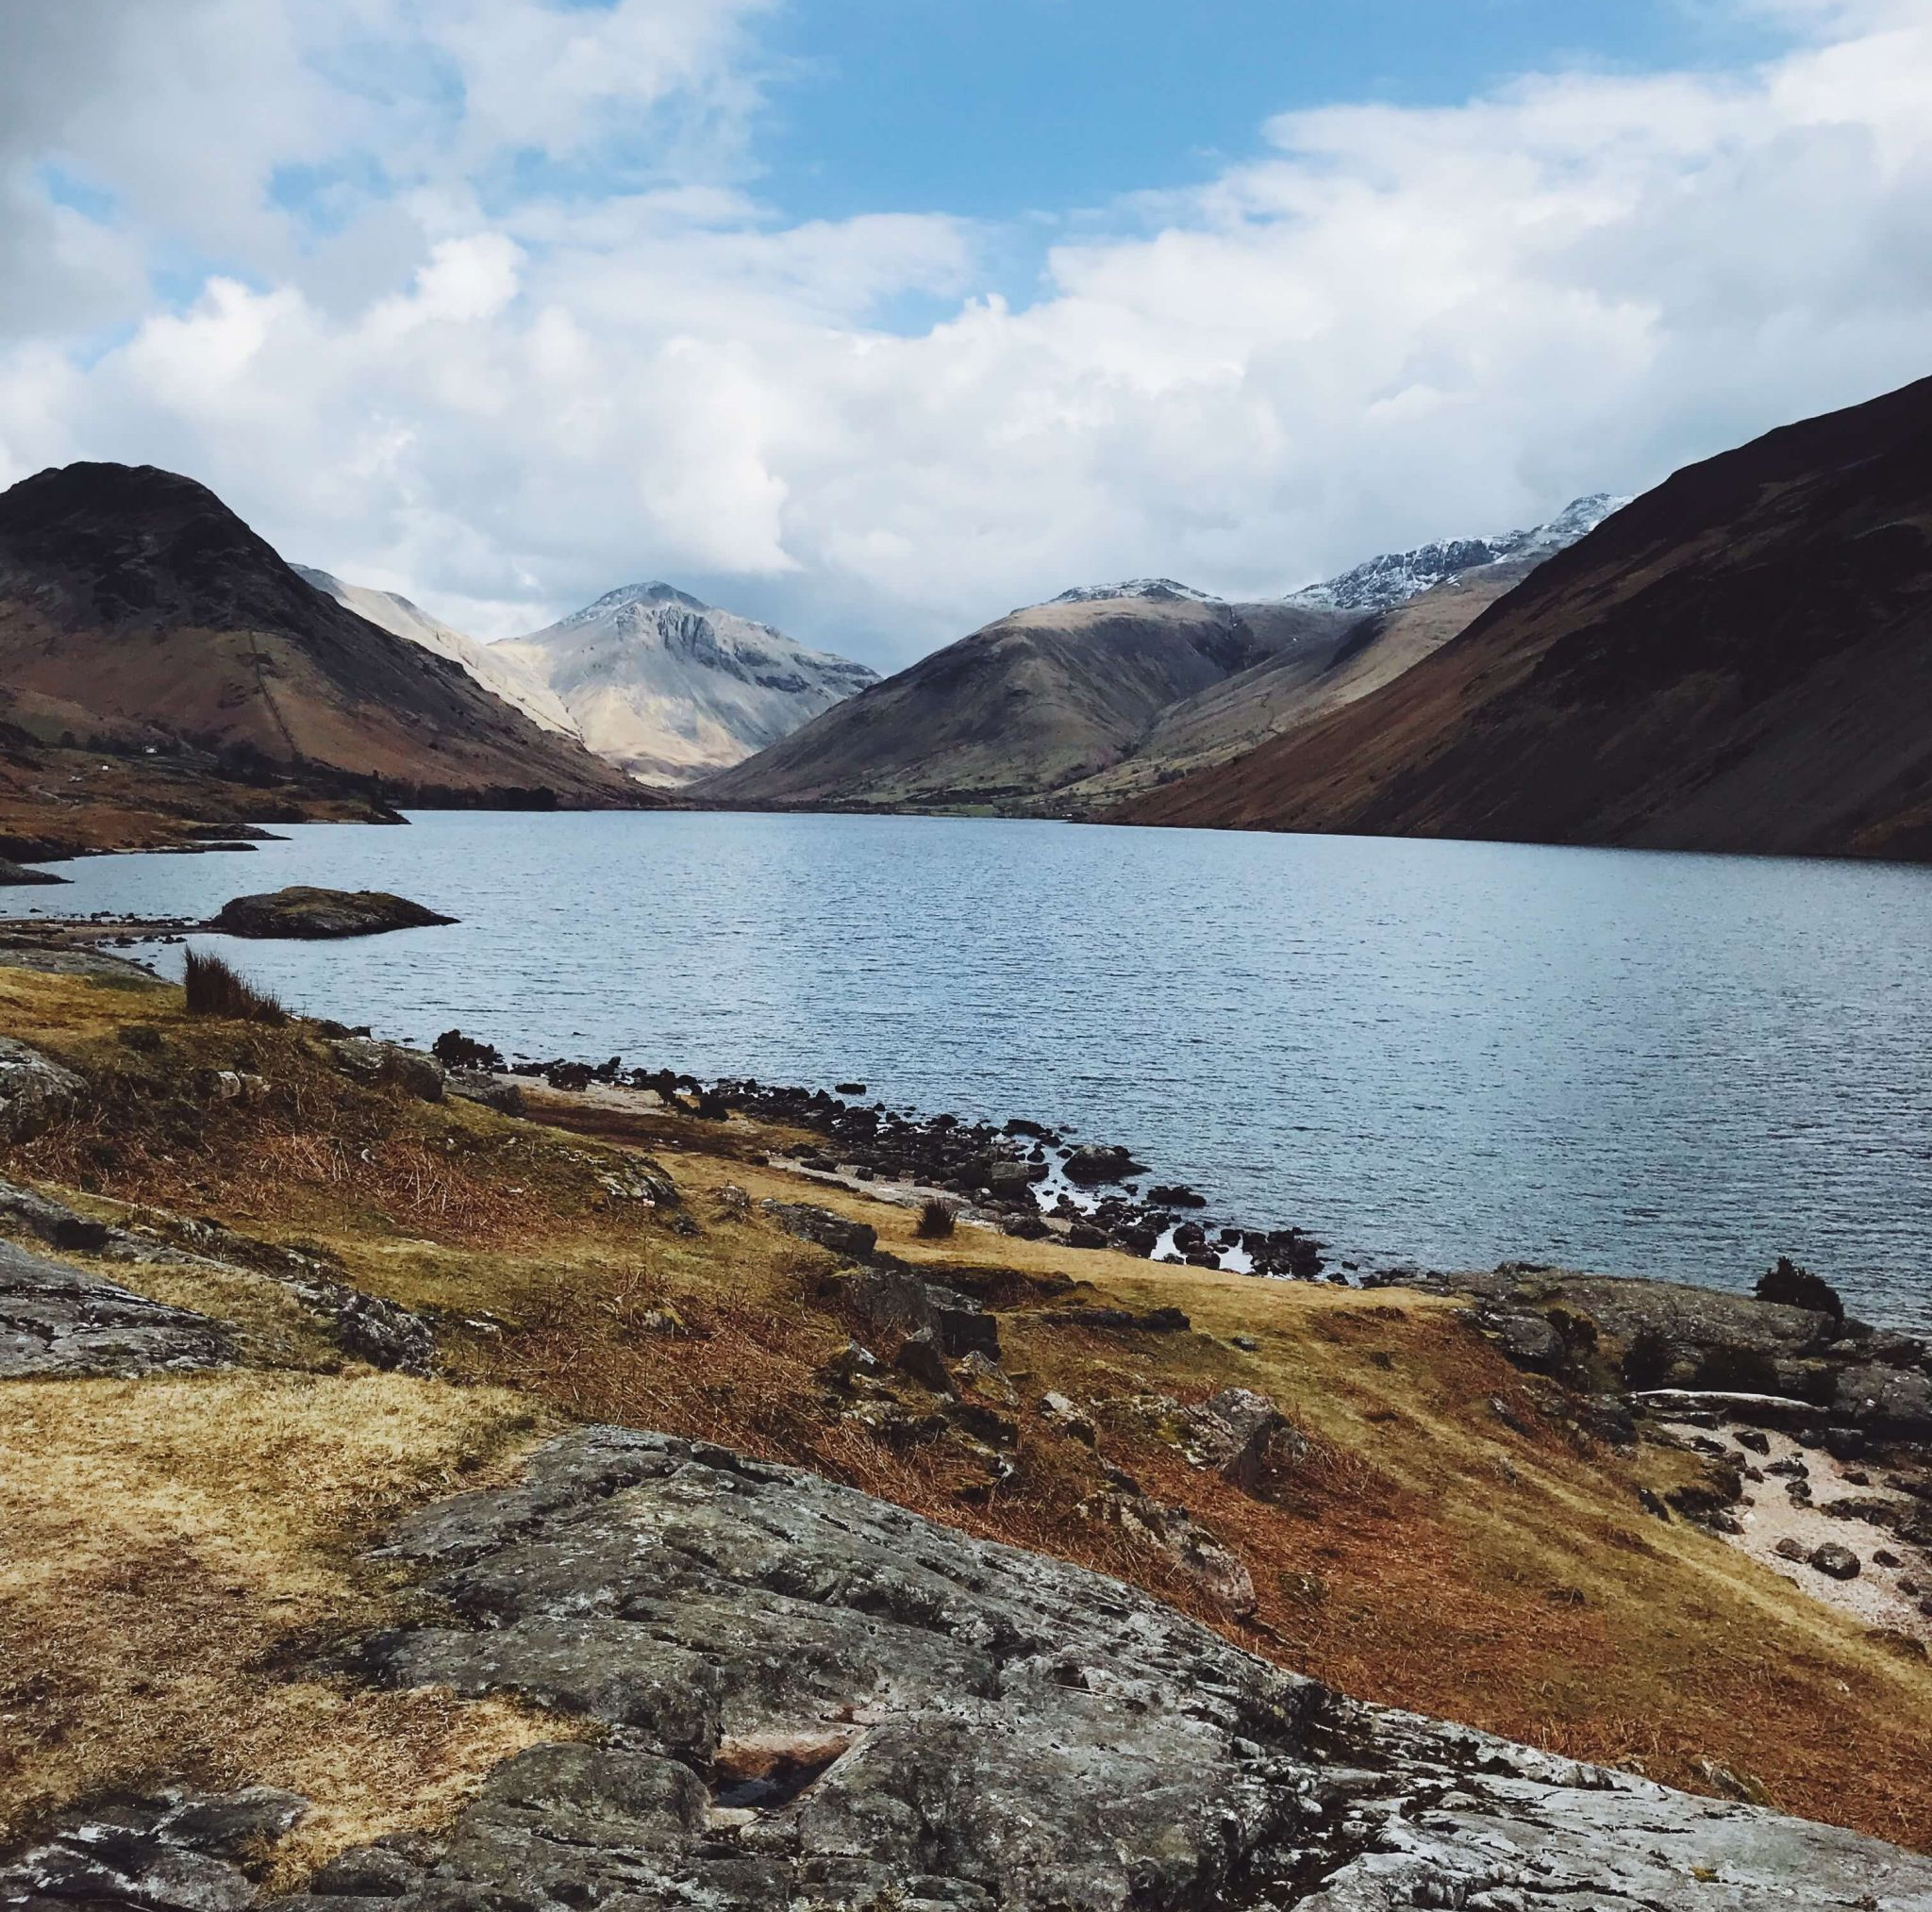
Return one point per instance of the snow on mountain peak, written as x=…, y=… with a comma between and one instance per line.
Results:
x=1135, y=586
x=670, y=688
x=1395, y=577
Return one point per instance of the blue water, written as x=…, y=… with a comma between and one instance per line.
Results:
x=1443, y=1054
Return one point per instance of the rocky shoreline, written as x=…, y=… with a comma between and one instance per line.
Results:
x=1026, y=1178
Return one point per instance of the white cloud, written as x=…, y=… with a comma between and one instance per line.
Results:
x=432, y=356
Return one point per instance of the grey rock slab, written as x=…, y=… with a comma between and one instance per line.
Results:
x=971, y=1726
x=58, y=1322
x=176, y=1852
x=35, y=1091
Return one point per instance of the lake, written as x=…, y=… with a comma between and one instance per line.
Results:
x=1436, y=1053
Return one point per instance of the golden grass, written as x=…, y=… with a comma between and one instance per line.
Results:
x=176, y=1551
x=1426, y=1555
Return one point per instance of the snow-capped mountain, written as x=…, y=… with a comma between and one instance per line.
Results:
x=513, y=681
x=671, y=689
x=1136, y=586
x=1383, y=583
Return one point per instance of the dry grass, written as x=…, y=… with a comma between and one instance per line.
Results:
x=1426, y=1555
x=211, y=986
x=176, y=1550
x=937, y=1219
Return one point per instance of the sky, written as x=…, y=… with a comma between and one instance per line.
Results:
x=877, y=318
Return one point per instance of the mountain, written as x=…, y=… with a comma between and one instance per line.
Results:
x=1340, y=657
x=1383, y=583
x=1740, y=661
x=514, y=682
x=669, y=688
x=1037, y=700
x=136, y=610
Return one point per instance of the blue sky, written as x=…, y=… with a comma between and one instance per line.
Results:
x=877, y=318
x=997, y=109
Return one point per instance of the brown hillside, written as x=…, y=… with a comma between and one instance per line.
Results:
x=1741, y=660
x=136, y=610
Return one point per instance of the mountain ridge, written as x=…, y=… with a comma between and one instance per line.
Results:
x=1738, y=660
x=136, y=608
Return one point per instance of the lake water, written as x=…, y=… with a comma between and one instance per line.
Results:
x=1442, y=1053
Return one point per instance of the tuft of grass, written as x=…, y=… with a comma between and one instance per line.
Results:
x=936, y=1219
x=215, y=987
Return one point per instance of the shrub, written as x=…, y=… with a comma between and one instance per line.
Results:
x=455, y=1050
x=214, y=989
x=1798, y=1288
x=936, y=1218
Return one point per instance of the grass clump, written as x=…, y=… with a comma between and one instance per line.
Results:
x=215, y=987
x=936, y=1219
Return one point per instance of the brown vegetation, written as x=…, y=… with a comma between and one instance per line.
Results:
x=212, y=986
x=1422, y=1552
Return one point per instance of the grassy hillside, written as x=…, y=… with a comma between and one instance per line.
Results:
x=184, y=1550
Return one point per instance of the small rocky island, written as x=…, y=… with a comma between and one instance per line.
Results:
x=305, y=913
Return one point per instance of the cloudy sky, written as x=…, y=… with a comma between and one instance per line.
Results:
x=876, y=318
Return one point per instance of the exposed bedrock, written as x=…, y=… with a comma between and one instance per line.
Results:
x=812, y=1697
x=56, y=1321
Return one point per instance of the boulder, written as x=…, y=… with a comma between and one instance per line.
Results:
x=481, y=1086
x=309, y=914
x=812, y=1697
x=389, y=1065
x=835, y=1232
x=1835, y=1562
x=1094, y=1164
x=35, y=1091
x=58, y=1322
x=1893, y=1399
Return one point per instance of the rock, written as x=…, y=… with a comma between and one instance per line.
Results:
x=1164, y=1320
x=1246, y=1343
x=888, y=1295
x=1172, y=1531
x=835, y=1232
x=57, y=1224
x=309, y=914
x=852, y=1369
x=1889, y=1399
x=13, y=875
x=1794, y=1550
x=173, y=1852
x=1064, y=1418
x=1884, y=1557
x=1835, y=1562
x=919, y=1717
x=1176, y=1195
x=480, y=1086
x=1009, y=1180
x=1025, y=1227
x=35, y=1091
x=919, y=1358
x=1241, y=1436
x=1094, y=1164
x=56, y=1321
x=1529, y=1341
x=389, y=1065
x=1751, y=1438
x=1085, y=1234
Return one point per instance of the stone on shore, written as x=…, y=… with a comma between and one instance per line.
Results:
x=305, y=913
x=35, y=1091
